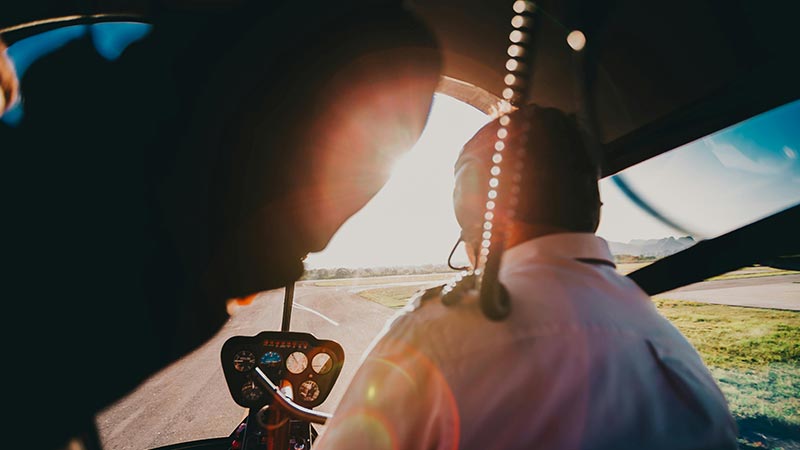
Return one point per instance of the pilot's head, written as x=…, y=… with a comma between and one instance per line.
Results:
x=558, y=188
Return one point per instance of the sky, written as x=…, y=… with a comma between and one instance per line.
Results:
x=709, y=187
x=411, y=220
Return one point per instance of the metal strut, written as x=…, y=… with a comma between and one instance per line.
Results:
x=288, y=304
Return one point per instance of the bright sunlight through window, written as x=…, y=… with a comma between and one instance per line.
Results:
x=411, y=220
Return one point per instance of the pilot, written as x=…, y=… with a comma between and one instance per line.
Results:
x=583, y=361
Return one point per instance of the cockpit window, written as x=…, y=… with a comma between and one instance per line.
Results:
x=110, y=39
x=723, y=181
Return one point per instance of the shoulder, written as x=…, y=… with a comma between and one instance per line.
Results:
x=418, y=311
x=428, y=314
x=423, y=297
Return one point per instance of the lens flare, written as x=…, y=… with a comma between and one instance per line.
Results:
x=576, y=40
x=518, y=21
x=520, y=6
x=515, y=51
x=388, y=377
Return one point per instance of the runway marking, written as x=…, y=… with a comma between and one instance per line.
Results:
x=306, y=308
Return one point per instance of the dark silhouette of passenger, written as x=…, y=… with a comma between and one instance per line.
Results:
x=202, y=165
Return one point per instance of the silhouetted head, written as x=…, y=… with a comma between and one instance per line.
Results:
x=558, y=188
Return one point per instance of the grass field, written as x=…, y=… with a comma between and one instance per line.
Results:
x=393, y=297
x=755, y=356
x=753, y=272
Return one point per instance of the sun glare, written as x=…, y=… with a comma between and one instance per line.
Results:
x=411, y=220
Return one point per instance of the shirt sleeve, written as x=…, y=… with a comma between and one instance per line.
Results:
x=398, y=399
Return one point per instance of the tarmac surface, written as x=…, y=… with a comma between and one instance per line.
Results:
x=777, y=292
x=189, y=400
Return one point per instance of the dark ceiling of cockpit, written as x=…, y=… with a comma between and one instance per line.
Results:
x=663, y=73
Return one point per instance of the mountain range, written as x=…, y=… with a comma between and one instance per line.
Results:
x=652, y=247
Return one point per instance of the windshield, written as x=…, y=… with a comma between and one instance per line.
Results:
x=399, y=243
x=745, y=324
x=723, y=181
x=110, y=39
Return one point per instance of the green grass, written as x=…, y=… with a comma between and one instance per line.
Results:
x=394, y=297
x=753, y=353
x=750, y=273
x=734, y=337
x=770, y=392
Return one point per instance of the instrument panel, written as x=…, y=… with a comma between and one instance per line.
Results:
x=307, y=364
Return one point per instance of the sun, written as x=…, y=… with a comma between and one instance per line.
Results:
x=411, y=220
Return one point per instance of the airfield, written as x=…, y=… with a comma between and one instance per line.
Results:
x=189, y=400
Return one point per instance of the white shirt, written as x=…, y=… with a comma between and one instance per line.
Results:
x=584, y=361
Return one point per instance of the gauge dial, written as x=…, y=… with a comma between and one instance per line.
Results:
x=322, y=363
x=296, y=362
x=309, y=391
x=244, y=361
x=271, y=359
x=251, y=392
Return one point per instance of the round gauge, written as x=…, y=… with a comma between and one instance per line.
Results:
x=297, y=362
x=244, y=360
x=322, y=363
x=251, y=392
x=309, y=391
x=270, y=359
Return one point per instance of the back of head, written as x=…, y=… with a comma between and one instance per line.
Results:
x=558, y=188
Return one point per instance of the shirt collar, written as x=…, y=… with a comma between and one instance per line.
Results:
x=576, y=246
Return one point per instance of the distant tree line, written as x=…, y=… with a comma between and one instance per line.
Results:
x=329, y=273
x=621, y=259
x=365, y=272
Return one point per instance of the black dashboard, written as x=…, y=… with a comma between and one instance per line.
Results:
x=308, y=365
